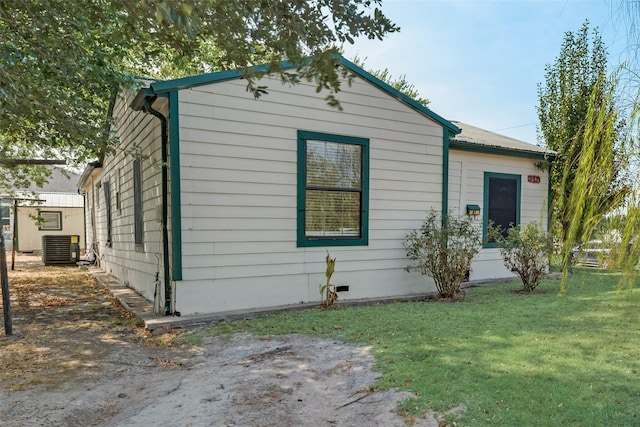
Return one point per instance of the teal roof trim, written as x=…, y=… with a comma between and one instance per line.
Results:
x=500, y=151
x=210, y=78
x=399, y=95
x=160, y=87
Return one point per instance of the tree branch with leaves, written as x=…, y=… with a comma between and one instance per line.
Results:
x=62, y=60
x=580, y=120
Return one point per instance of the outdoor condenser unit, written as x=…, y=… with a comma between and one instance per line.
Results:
x=60, y=249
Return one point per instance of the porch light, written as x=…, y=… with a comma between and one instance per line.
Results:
x=473, y=210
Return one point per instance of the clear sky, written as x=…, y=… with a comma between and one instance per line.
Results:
x=480, y=61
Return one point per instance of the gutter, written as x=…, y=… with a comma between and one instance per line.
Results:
x=142, y=102
x=87, y=177
x=165, y=232
x=456, y=144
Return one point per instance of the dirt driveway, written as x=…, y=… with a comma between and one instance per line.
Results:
x=77, y=358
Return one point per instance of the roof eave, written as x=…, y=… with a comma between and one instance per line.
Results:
x=216, y=77
x=399, y=95
x=501, y=151
x=141, y=97
x=165, y=86
x=88, y=170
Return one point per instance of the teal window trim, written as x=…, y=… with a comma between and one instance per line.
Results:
x=485, y=214
x=302, y=239
x=58, y=214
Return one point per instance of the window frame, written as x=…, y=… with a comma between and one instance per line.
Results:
x=57, y=213
x=106, y=191
x=485, y=215
x=138, y=208
x=116, y=192
x=319, y=241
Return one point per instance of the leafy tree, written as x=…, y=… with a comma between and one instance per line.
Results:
x=401, y=83
x=627, y=12
x=443, y=250
x=64, y=60
x=580, y=120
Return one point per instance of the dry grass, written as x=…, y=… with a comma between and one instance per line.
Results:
x=63, y=321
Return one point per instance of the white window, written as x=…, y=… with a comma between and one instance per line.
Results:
x=50, y=220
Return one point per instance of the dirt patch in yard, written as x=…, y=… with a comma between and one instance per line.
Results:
x=77, y=358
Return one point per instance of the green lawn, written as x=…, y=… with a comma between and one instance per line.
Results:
x=514, y=360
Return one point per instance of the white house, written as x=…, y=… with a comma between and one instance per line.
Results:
x=233, y=202
x=54, y=209
x=502, y=177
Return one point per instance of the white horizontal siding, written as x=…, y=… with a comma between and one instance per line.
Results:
x=60, y=200
x=29, y=236
x=466, y=186
x=239, y=194
x=138, y=135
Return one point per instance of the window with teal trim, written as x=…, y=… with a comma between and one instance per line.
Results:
x=333, y=186
x=501, y=201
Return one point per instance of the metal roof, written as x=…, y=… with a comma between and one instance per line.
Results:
x=60, y=181
x=481, y=137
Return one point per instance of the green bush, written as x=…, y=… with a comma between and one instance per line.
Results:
x=525, y=251
x=443, y=250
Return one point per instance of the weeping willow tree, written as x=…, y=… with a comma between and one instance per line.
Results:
x=629, y=246
x=627, y=12
x=594, y=180
x=580, y=120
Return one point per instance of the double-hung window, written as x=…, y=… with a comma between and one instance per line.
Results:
x=333, y=189
x=501, y=201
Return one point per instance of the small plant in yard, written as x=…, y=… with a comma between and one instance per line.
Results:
x=328, y=291
x=443, y=250
x=525, y=251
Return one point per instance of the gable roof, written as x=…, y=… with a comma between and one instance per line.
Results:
x=479, y=140
x=60, y=181
x=164, y=86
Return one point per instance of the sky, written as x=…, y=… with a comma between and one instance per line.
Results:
x=480, y=61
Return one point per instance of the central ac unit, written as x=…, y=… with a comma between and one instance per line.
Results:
x=60, y=249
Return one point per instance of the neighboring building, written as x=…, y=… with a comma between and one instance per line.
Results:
x=54, y=209
x=256, y=191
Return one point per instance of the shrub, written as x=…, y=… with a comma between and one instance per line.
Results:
x=525, y=251
x=443, y=250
